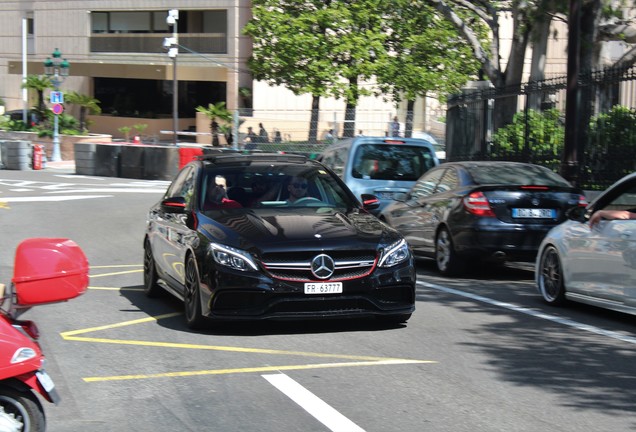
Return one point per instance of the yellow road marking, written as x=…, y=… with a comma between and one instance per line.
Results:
x=114, y=288
x=117, y=266
x=254, y=370
x=121, y=324
x=74, y=335
x=116, y=273
x=4, y=205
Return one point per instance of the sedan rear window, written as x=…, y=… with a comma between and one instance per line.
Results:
x=515, y=175
x=391, y=162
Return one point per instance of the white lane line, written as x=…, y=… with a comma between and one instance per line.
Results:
x=534, y=313
x=51, y=198
x=315, y=406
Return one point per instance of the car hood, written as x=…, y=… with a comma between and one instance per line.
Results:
x=300, y=229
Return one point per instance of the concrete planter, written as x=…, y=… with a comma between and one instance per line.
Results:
x=67, y=142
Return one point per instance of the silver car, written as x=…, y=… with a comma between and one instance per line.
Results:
x=594, y=265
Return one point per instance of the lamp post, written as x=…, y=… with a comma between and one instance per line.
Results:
x=57, y=69
x=172, y=44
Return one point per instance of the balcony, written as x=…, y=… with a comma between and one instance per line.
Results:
x=206, y=43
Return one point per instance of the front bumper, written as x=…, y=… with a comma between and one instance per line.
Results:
x=255, y=296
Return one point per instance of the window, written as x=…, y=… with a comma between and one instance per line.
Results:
x=426, y=185
x=391, y=162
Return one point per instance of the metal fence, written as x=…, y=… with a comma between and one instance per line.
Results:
x=607, y=145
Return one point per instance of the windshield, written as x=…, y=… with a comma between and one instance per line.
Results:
x=391, y=162
x=270, y=186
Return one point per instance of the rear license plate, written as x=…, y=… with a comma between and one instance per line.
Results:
x=533, y=213
x=323, y=287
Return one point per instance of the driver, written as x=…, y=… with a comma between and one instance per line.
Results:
x=297, y=189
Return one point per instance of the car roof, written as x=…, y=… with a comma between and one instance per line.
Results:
x=486, y=164
x=226, y=159
x=381, y=140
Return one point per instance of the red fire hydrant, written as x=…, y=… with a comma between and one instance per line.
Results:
x=38, y=152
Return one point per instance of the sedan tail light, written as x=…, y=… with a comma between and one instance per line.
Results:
x=583, y=201
x=477, y=204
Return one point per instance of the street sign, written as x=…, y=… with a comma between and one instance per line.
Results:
x=58, y=108
x=57, y=97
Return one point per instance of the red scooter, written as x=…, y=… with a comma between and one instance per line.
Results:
x=46, y=270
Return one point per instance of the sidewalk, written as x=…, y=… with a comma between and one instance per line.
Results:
x=67, y=165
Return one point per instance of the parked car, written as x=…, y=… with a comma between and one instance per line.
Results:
x=288, y=240
x=380, y=166
x=467, y=212
x=594, y=265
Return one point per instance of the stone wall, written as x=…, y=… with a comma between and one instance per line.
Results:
x=67, y=142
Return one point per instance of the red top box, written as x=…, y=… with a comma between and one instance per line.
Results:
x=49, y=270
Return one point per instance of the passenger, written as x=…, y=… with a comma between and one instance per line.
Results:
x=217, y=196
x=262, y=190
x=611, y=215
x=297, y=189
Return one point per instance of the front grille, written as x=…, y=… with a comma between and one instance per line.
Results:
x=297, y=266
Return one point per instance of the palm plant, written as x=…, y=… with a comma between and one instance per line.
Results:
x=87, y=104
x=214, y=112
x=39, y=84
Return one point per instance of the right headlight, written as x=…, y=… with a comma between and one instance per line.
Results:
x=232, y=258
x=395, y=254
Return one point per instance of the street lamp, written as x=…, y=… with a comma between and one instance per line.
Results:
x=172, y=45
x=57, y=69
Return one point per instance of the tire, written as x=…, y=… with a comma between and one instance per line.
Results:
x=192, y=296
x=151, y=287
x=21, y=410
x=447, y=261
x=550, y=278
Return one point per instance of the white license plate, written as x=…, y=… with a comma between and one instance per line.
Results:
x=45, y=380
x=323, y=287
x=385, y=195
x=533, y=213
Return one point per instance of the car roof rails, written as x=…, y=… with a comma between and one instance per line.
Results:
x=241, y=158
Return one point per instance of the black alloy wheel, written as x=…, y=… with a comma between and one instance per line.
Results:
x=151, y=287
x=550, y=278
x=448, y=263
x=192, y=296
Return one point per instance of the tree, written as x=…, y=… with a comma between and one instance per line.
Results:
x=39, y=84
x=290, y=49
x=213, y=112
x=87, y=104
x=423, y=46
x=318, y=47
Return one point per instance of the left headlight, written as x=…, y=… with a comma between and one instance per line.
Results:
x=395, y=254
x=232, y=258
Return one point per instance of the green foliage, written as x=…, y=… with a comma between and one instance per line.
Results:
x=612, y=141
x=140, y=127
x=87, y=104
x=545, y=132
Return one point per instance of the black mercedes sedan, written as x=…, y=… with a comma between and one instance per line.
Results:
x=462, y=213
x=273, y=236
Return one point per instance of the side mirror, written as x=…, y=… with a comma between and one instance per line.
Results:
x=576, y=214
x=174, y=205
x=370, y=202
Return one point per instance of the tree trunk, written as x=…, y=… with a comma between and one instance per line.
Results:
x=506, y=107
x=541, y=34
x=408, y=125
x=313, y=122
x=349, y=127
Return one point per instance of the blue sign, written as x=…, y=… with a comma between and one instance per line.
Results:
x=57, y=97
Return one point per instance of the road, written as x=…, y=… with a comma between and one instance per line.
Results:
x=481, y=353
